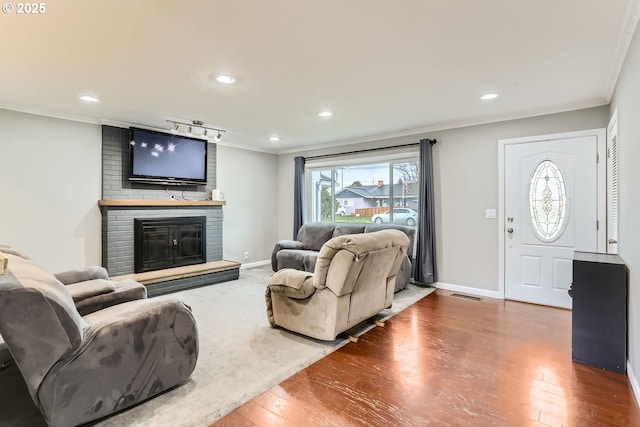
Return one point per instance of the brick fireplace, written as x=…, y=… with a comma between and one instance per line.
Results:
x=118, y=216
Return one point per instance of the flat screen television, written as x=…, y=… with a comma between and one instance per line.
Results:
x=166, y=159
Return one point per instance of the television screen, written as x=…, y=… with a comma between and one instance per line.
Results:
x=163, y=158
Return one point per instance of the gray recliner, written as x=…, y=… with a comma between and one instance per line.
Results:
x=353, y=280
x=78, y=369
x=91, y=288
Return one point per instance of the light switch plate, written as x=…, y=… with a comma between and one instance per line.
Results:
x=490, y=213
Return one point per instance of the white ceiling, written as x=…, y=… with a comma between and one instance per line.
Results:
x=385, y=68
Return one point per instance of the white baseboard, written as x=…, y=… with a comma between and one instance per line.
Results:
x=469, y=290
x=634, y=382
x=255, y=264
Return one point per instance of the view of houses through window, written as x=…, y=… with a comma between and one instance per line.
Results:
x=371, y=193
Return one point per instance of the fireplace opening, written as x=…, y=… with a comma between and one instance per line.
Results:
x=169, y=242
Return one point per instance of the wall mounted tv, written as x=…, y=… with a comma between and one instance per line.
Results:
x=166, y=159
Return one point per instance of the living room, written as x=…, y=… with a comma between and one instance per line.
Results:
x=51, y=159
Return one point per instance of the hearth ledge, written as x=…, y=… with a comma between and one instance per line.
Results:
x=179, y=272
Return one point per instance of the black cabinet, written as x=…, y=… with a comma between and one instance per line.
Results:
x=599, y=316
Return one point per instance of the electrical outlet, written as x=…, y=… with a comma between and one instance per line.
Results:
x=246, y=256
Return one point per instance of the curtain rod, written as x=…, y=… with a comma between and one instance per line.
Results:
x=367, y=150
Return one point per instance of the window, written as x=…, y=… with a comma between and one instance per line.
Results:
x=364, y=192
x=547, y=201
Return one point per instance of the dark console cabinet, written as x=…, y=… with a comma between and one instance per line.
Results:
x=599, y=316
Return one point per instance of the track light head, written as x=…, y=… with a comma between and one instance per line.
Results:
x=198, y=124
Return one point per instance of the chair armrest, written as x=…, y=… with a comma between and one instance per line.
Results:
x=90, y=288
x=292, y=283
x=82, y=275
x=133, y=311
x=283, y=244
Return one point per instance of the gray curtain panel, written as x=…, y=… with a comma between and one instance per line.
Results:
x=298, y=201
x=426, y=252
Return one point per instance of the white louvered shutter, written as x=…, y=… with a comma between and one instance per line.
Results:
x=612, y=185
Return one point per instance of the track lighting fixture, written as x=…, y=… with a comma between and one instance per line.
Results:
x=197, y=124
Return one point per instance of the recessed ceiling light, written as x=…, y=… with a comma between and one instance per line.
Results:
x=89, y=98
x=274, y=138
x=489, y=96
x=325, y=113
x=225, y=78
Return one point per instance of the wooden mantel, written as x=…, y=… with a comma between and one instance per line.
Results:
x=135, y=203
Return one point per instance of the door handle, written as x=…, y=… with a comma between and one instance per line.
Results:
x=612, y=241
x=510, y=230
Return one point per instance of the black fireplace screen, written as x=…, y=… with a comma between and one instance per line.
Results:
x=169, y=242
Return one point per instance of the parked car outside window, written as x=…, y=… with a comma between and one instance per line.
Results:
x=400, y=216
x=341, y=211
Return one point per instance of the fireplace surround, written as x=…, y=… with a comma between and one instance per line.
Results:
x=123, y=202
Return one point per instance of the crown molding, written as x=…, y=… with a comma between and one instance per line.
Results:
x=624, y=41
x=46, y=113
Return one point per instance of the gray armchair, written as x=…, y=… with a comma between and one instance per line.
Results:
x=78, y=369
x=353, y=280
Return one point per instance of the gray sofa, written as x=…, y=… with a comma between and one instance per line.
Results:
x=354, y=279
x=82, y=368
x=302, y=253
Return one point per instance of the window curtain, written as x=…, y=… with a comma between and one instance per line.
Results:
x=426, y=252
x=298, y=196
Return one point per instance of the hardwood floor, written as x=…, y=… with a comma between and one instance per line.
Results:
x=447, y=361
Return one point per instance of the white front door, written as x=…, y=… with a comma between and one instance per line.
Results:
x=551, y=208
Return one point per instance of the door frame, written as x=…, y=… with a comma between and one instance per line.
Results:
x=601, y=190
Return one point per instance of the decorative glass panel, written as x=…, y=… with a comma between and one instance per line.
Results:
x=547, y=201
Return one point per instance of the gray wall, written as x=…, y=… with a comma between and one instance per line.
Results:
x=466, y=183
x=248, y=181
x=627, y=101
x=50, y=186
x=50, y=180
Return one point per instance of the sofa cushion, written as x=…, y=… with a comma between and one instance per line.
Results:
x=316, y=234
x=309, y=261
x=344, y=229
x=293, y=258
x=409, y=231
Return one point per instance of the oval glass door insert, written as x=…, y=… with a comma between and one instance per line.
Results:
x=547, y=201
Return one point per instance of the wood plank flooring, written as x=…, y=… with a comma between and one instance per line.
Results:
x=448, y=361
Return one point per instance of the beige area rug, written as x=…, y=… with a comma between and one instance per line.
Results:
x=241, y=356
